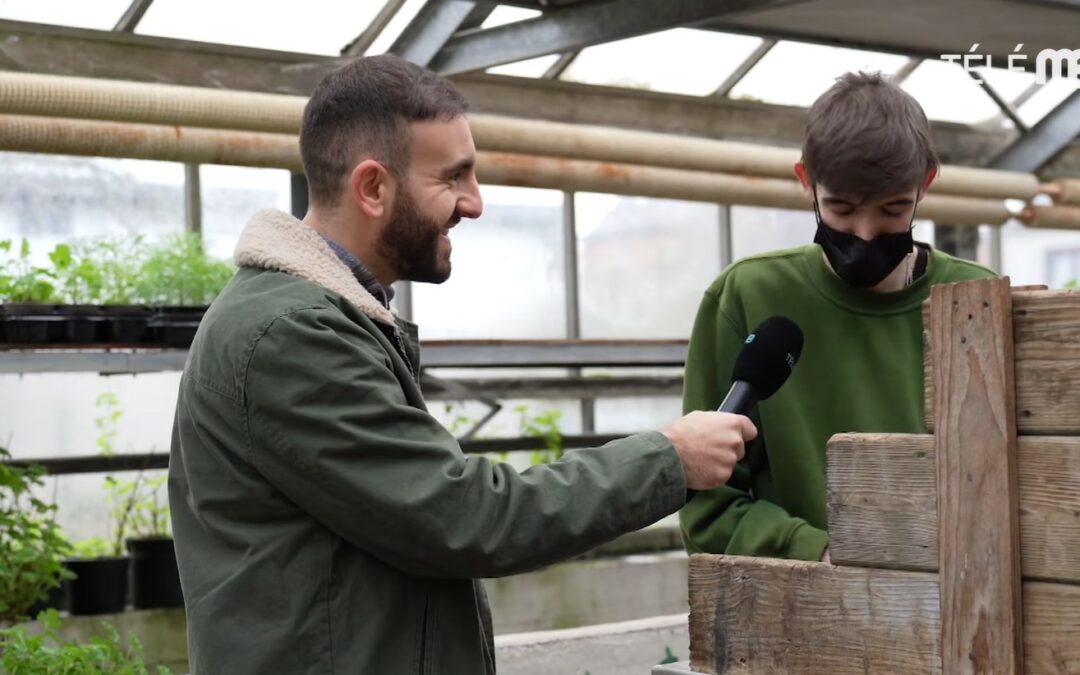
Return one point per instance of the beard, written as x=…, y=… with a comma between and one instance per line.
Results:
x=411, y=242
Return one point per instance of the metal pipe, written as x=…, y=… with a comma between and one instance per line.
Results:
x=566, y=174
x=116, y=101
x=147, y=141
x=1053, y=217
x=1064, y=191
x=208, y=146
x=61, y=96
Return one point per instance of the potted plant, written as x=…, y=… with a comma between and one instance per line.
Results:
x=27, y=291
x=180, y=279
x=155, y=577
x=101, y=578
x=78, y=282
x=101, y=586
x=118, y=262
x=23, y=653
x=31, y=546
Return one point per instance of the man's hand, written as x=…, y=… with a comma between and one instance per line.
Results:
x=709, y=445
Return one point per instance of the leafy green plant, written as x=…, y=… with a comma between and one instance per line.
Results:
x=115, y=271
x=93, y=547
x=137, y=507
x=178, y=272
x=22, y=653
x=545, y=426
x=31, y=546
x=21, y=280
x=77, y=277
x=103, y=271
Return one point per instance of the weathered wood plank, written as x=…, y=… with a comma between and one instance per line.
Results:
x=882, y=503
x=1046, y=337
x=977, y=494
x=753, y=616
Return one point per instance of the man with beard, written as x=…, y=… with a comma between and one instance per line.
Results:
x=324, y=521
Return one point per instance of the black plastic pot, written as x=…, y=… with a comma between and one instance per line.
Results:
x=80, y=323
x=31, y=323
x=155, y=578
x=176, y=326
x=124, y=324
x=100, y=587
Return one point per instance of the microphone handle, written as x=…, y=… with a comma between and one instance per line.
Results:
x=740, y=400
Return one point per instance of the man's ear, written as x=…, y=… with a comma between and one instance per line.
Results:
x=804, y=179
x=371, y=188
x=930, y=176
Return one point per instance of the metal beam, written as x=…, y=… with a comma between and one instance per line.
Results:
x=437, y=354
x=556, y=69
x=362, y=42
x=60, y=50
x=905, y=71
x=745, y=67
x=553, y=388
x=478, y=15
x=82, y=464
x=434, y=25
x=1046, y=139
x=298, y=195
x=131, y=18
x=1004, y=106
x=579, y=26
x=193, y=199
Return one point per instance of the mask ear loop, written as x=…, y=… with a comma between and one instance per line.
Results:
x=914, y=209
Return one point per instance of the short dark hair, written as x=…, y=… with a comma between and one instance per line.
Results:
x=364, y=108
x=867, y=137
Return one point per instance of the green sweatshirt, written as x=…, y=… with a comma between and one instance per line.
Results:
x=861, y=371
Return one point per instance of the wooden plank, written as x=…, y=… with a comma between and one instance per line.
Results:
x=882, y=503
x=977, y=488
x=753, y=616
x=1046, y=338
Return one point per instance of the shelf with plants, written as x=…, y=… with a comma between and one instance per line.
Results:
x=107, y=293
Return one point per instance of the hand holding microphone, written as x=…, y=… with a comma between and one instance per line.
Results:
x=711, y=443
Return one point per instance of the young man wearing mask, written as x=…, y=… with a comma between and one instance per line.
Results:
x=857, y=293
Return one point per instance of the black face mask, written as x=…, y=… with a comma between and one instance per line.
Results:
x=859, y=262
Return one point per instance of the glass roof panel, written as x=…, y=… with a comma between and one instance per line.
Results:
x=310, y=27
x=98, y=15
x=796, y=73
x=679, y=61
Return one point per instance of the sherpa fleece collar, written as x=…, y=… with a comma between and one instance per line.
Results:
x=275, y=240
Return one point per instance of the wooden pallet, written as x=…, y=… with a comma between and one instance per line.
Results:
x=953, y=552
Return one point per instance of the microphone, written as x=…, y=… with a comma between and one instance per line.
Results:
x=764, y=364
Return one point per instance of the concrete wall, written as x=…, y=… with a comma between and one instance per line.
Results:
x=569, y=595
x=625, y=648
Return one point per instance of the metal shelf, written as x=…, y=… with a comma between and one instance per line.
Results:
x=435, y=354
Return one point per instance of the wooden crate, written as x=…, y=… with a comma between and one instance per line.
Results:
x=953, y=552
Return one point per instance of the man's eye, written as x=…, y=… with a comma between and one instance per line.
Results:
x=891, y=214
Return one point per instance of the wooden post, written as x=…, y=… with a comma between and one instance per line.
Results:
x=978, y=503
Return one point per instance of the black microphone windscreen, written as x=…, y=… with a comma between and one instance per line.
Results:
x=769, y=355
